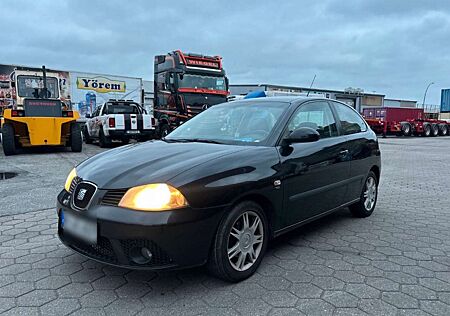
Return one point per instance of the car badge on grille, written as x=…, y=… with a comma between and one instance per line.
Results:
x=81, y=194
x=205, y=107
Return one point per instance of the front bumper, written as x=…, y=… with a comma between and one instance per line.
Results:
x=176, y=239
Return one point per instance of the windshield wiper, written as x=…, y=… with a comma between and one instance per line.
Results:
x=192, y=140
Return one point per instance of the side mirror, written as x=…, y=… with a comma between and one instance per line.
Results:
x=302, y=135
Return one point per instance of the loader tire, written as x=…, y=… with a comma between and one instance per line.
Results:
x=8, y=139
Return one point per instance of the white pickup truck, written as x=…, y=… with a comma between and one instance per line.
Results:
x=118, y=120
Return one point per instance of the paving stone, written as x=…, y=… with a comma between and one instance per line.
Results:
x=60, y=306
x=340, y=299
x=280, y=298
x=36, y=298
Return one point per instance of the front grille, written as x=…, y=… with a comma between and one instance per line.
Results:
x=83, y=194
x=159, y=258
x=74, y=183
x=102, y=251
x=193, y=110
x=113, y=197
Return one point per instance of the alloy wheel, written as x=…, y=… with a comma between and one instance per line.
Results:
x=370, y=194
x=245, y=241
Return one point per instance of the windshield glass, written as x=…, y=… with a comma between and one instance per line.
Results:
x=32, y=87
x=239, y=123
x=201, y=82
x=122, y=109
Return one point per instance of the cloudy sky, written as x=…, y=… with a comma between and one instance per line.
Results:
x=391, y=47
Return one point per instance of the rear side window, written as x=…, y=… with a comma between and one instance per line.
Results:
x=316, y=115
x=351, y=121
x=122, y=109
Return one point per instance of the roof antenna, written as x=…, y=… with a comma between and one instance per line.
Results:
x=312, y=82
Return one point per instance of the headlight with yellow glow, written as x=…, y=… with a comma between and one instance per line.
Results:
x=69, y=179
x=153, y=197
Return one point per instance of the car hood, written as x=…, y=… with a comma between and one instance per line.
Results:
x=150, y=162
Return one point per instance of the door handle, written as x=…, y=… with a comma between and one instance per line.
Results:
x=343, y=152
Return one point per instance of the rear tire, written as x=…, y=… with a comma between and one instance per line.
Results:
x=240, y=243
x=434, y=130
x=427, y=130
x=368, y=200
x=76, y=142
x=103, y=141
x=443, y=131
x=406, y=129
x=87, y=137
x=8, y=139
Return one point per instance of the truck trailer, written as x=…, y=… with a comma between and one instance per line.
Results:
x=404, y=122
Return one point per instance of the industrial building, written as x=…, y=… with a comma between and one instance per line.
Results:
x=356, y=98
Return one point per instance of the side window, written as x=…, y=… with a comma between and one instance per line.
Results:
x=351, y=121
x=316, y=115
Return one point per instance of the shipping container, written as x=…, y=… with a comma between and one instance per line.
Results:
x=445, y=100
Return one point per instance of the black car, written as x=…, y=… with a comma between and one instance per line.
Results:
x=220, y=186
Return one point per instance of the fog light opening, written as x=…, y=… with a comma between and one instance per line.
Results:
x=141, y=255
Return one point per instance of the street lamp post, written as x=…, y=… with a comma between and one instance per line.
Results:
x=425, y=94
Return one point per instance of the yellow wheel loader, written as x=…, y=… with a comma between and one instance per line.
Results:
x=39, y=118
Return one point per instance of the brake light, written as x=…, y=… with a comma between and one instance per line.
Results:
x=17, y=113
x=112, y=122
x=153, y=121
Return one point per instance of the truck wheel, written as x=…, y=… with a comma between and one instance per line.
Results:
x=427, y=130
x=104, y=141
x=164, y=130
x=406, y=129
x=365, y=206
x=434, y=130
x=8, y=139
x=76, y=142
x=443, y=131
x=87, y=137
x=240, y=243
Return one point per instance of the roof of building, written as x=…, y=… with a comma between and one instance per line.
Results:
x=303, y=88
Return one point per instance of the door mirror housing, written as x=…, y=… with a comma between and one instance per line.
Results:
x=302, y=135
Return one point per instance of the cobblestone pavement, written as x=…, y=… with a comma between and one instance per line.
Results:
x=397, y=262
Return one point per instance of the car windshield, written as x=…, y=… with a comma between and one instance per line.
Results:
x=202, y=82
x=32, y=87
x=239, y=123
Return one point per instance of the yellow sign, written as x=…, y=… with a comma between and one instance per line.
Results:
x=100, y=84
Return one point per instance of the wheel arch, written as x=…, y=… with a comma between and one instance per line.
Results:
x=266, y=205
x=375, y=169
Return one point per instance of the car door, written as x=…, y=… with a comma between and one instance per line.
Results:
x=315, y=173
x=360, y=144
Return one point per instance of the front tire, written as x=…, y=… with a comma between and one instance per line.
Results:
x=8, y=139
x=87, y=137
x=103, y=141
x=76, y=141
x=368, y=200
x=164, y=130
x=240, y=243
